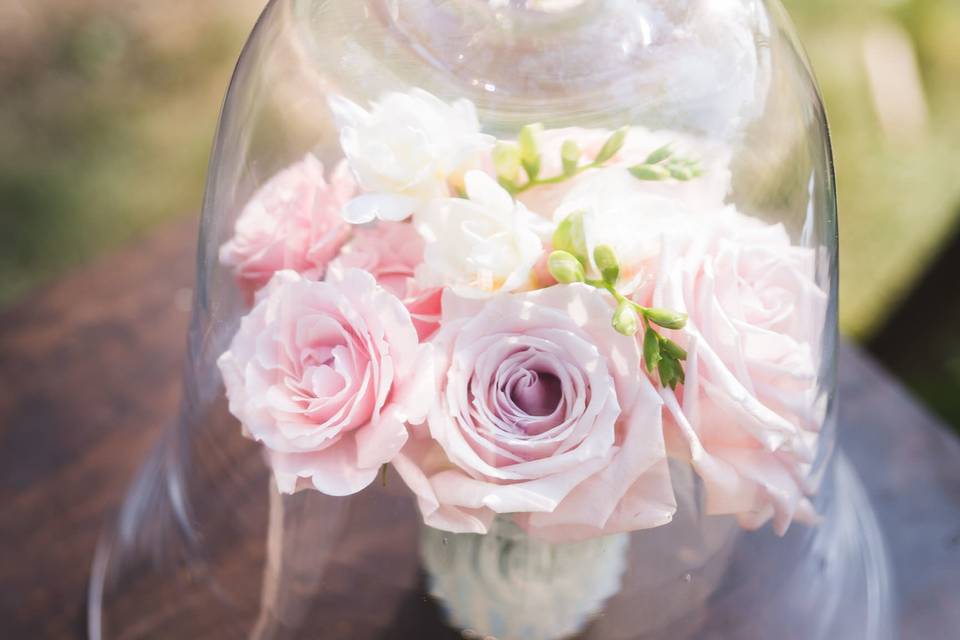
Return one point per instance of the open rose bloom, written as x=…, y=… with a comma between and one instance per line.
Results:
x=537, y=297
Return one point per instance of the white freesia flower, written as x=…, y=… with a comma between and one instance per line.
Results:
x=406, y=150
x=483, y=243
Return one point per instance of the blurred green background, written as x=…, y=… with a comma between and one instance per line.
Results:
x=109, y=106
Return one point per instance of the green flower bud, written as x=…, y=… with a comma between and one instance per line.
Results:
x=649, y=172
x=651, y=349
x=625, y=319
x=659, y=155
x=529, y=153
x=676, y=373
x=672, y=349
x=570, y=156
x=671, y=373
x=612, y=145
x=506, y=160
x=565, y=267
x=570, y=236
x=606, y=261
x=666, y=318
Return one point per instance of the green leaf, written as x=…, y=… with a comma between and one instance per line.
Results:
x=666, y=318
x=570, y=237
x=565, y=267
x=529, y=153
x=649, y=172
x=659, y=155
x=606, y=260
x=506, y=160
x=612, y=145
x=672, y=349
x=651, y=349
x=570, y=157
x=625, y=319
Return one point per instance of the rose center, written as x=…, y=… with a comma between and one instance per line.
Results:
x=536, y=393
x=318, y=357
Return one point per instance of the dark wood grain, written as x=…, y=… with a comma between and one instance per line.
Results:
x=89, y=376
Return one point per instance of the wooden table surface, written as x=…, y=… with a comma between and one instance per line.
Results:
x=89, y=376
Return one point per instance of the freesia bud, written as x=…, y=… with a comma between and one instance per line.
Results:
x=606, y=261
x=649, y=172
x=565, y=267
x=625, y=319
x=666, y=318
x=659, y=155
x=506, y=160
x=673, y=350
x=651, y=349
x=612, y=145
x=570, y=157
x=529, y=153
x=570, y=236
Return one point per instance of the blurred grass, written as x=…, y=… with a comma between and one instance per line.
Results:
x=109, y=110
x=106, y=121
x=898, y=195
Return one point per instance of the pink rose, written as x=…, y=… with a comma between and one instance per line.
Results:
x=750, y=410
x=540, y=409
x=325, y=374
x=391, y=253
x=292, y=222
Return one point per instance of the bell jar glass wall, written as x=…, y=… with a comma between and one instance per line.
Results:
x=513, y=319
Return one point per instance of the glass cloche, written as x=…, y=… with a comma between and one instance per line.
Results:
x=514, y=319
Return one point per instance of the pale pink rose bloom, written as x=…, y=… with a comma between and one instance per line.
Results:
x=540, y=410
x=391, y=253
x=292, y=222
x=325, y=375
x=748, y=416
x=706, y=191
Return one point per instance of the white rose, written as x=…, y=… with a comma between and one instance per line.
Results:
x=406, y=150
x=481, y=244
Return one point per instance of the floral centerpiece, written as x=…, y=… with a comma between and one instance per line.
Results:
x=529, y=331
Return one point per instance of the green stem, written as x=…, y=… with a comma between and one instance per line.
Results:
x=671, y=379
x=537, y=182
x=620, y=298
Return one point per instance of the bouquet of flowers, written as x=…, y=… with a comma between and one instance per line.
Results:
x=527, y=329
